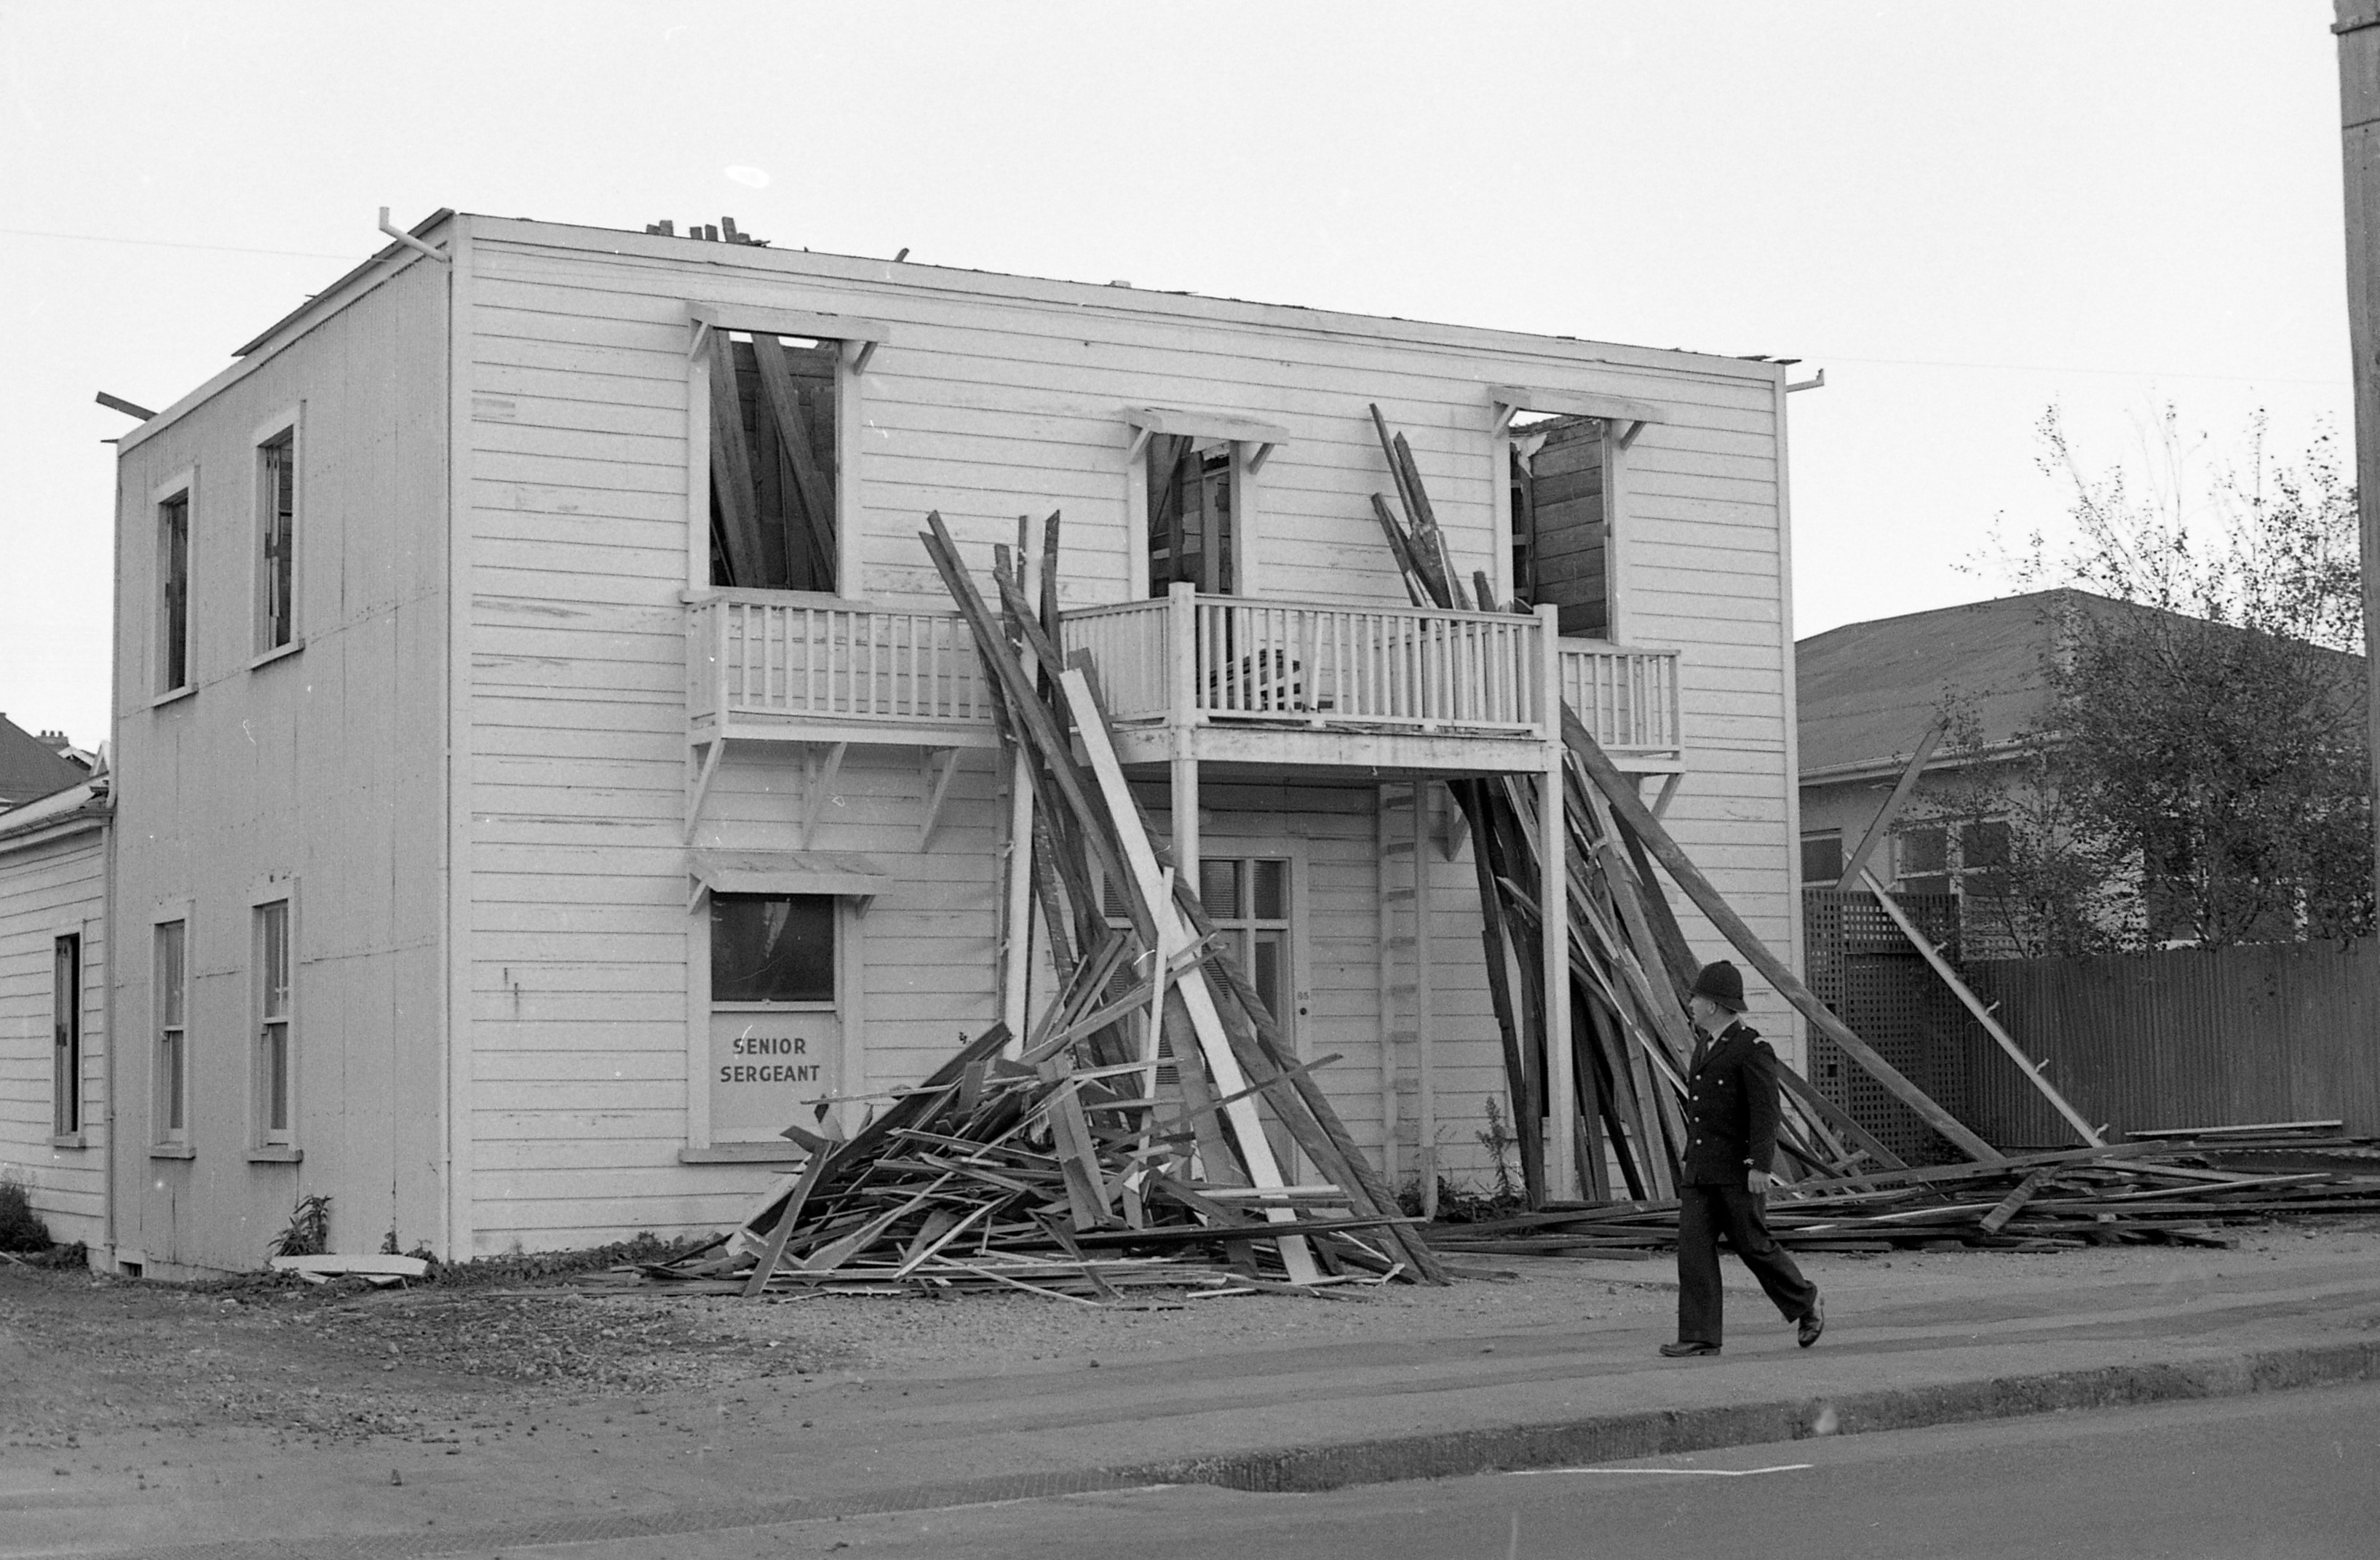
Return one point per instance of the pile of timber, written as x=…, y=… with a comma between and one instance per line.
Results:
x=1128, y=1139
x=2150, y=1192
x=1630, y=965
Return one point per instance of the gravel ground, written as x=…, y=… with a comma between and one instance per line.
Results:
x=82, y=1355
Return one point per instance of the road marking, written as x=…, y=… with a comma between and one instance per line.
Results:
x=1705, y=1472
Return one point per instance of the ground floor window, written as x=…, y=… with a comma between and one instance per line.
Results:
x=1822, y=858
x=776, y=1030
x=65, y=1033
x=172, y=1008
x=1249, y=898
x=273, y=1061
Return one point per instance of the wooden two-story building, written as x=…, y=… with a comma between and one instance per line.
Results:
x=546, y=759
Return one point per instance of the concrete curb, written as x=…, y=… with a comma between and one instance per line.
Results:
x=1452, y=1454
x=1654, y=1432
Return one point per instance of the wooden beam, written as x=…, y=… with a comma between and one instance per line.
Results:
x=1173, y=930
x=1510, y=398
x=821, y=781
x=2000, y=1037
x=935, y=769
x=811, y=489
x=731, y=469
x=1856, y=863
x=1689, y=878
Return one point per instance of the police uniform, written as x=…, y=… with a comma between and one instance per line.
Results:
x=1731, y=1130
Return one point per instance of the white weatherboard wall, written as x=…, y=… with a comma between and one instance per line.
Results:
x=995, y=396
x=316, y=776
x=53, y=884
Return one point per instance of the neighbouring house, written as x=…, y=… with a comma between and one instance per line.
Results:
x=53, y=998
x=33, y=767
x=544, y=760
x=1868, y=693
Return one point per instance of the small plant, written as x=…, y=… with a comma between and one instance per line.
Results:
x=22, y=1229
x=1499, y=1141
x=309, y=1234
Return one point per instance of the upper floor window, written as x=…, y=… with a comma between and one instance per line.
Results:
x=1193, y=497
x=783, y=390
x=276, y=539
x=1557, y=500
x=173, y=592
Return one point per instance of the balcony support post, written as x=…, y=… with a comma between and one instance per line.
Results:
x=1553, y=964
x=1182, y=716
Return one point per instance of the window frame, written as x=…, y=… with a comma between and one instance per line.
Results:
x=849, y=1006
x=67, y=1029
x=283, y=431
x=1624, y=421
x=266, y=1139
x=1253, y=442
x=169, y=635
x=1819, y=837
x=857, y=340
x=169, y=1058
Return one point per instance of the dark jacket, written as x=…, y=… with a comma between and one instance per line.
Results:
x=1732, y=1110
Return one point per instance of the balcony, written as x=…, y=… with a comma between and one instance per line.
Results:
x=801, y=667
x=1263, y=681
x=1225, y=679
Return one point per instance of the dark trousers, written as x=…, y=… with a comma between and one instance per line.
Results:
x=1705, y=1213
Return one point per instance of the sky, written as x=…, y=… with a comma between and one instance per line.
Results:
x=1964, y=213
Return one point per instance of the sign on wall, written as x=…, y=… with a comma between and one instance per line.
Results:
x=769, y=1068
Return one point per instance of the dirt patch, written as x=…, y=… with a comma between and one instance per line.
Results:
x=80, y=1354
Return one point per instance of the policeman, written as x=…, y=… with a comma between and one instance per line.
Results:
x=1731, y=1140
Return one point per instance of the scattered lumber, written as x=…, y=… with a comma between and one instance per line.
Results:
x=2151, y=1193
x=1630, y=965
x=1127, y=1142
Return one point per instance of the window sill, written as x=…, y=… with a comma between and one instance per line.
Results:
x=172, y=1150
x=68, y=1140
x=282, y=653
x=744, y=1153
x=170, y=695
x=276, y=1154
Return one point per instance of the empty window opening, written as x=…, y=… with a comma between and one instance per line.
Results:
x=66, y=1033
x=274, y=1058
x=1561, y=552
x=1192, y=534
x=277, y=529
x=773, y=461
x=771, y=947
x=173, y=1032
x=173, y=593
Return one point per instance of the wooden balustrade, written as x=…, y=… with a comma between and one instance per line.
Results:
x=800, y=660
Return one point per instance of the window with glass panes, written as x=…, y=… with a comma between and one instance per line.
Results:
x=173, y=593
x=276, y=525
x=172, y=1030
x=1248, y=900
x=273, y=1050
x=66, y=1035
x=771, y=947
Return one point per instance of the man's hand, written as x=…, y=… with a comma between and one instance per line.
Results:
x=1757, y=1182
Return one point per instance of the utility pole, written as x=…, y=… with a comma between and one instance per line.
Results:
x=2358, y=29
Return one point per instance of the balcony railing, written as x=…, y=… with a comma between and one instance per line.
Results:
x=803, y=662
x=782, y=660
x=1628, y=699
x=1243, y=659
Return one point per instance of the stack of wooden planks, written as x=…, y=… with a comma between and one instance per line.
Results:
x=1630, y=964
x=2165, y=1192
x=1136, y=1137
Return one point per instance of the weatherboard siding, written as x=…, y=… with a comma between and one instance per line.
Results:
x=996, y=396
x=321, y=771
x=50, y=888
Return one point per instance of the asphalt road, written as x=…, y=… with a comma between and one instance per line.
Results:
x=2291, y=1476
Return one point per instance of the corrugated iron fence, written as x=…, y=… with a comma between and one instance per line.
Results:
x=2189, y=1037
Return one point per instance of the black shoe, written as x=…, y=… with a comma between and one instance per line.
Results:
x=1687, y=1349
x=1814, y=1322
